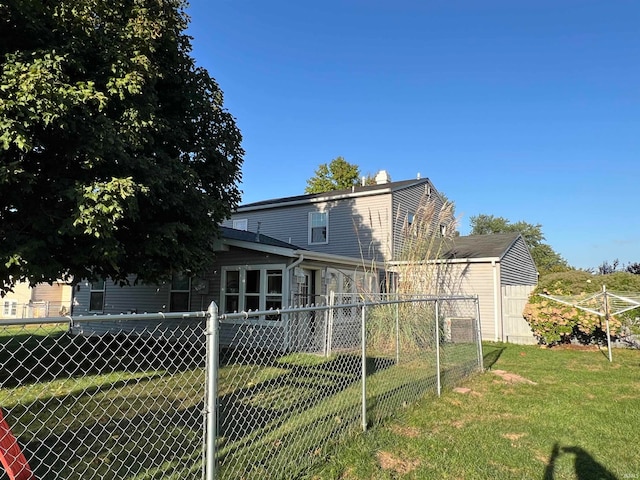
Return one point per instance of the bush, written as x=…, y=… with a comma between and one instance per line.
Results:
x=553, y=322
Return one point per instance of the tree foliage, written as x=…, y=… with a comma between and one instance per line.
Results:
x=117, y=156
x=337, y=175
x=546, y=259
x=633, y=268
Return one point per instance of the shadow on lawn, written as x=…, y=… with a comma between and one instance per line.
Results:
x=491, y=354
x=586, y=467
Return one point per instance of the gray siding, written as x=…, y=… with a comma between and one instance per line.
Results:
x=134, y=298
x=408, y=200
x=517, y=266
x=358, y=227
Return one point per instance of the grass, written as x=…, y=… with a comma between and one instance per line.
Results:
x=95, y=416
x=578, y=419
x=82, y=408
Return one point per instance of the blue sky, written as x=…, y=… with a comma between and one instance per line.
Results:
x=528, y=110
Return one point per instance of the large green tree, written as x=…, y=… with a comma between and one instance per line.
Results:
x=337, y=175
x=547, y=260
x=117, y=155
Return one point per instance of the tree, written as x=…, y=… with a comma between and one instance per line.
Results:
x=117, y=156
x=546, y=259
x=633, y=268
x=337, y=175
x=607, y=268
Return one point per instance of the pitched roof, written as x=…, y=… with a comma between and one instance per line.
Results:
x=494, y=245
x=245, y=236
x=356, y=190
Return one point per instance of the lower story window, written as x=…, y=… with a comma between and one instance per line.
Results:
x=179, y=293
x=10, y=308
x=252, y=287
x=96, y=296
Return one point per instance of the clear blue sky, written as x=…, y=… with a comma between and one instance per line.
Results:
x=523, y=109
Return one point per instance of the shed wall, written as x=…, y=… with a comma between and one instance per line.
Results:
x=517, y=266
x=479, y=280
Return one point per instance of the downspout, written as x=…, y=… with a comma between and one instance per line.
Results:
x=297, y=262
x=496, y=318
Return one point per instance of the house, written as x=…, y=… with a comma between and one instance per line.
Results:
x=251, y=271
x=296, y=250
x=376, y=222
x=367, y=222
x=41, y=300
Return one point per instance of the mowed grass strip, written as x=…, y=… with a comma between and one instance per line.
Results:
x=537, y=413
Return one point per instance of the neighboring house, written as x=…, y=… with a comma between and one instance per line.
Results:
x=250, y=272
x=365, y=222
x=41, y=300
x=499, y=269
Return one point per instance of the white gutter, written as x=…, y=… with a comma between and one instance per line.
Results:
x=295, y=263
x=329, y=257
x=260, y=247
x=308, y=254
x=446, y=260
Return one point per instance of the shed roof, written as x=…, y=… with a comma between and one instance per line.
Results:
x=493, y=245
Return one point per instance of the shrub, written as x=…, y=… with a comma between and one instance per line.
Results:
x=553, y=322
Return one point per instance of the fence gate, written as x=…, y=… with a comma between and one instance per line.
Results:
x=515, y=327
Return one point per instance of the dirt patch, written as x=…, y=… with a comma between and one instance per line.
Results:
x=465, y=391
x=512, y=377
x=388, y=461
x=513, y=436
x=572, y=346
x=409, y=432
x=457, y=424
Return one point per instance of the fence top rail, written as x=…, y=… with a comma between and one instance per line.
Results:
x=324, y=307
x=363, y=302
x=103, y=318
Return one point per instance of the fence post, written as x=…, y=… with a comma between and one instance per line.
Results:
x=437, y=337
x=479, y=335
x=363, y=335
x=211, y=392
x=397, y=314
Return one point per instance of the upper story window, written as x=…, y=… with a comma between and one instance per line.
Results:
x=10, y=308
x=318, y=228
x=241, y=224
x=443, y=230
x=252, y=287
x=410, y=224
x=179, y=293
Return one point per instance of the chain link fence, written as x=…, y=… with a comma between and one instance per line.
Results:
x=202, y=395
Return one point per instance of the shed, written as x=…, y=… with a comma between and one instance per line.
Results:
x=500, y=270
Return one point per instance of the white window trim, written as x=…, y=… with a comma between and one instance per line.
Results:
x=104, y=296
x=310, y=228
x=241, y=224
x=10, y=306
x=263, y=294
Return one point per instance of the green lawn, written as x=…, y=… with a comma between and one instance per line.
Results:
x=569, y=415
